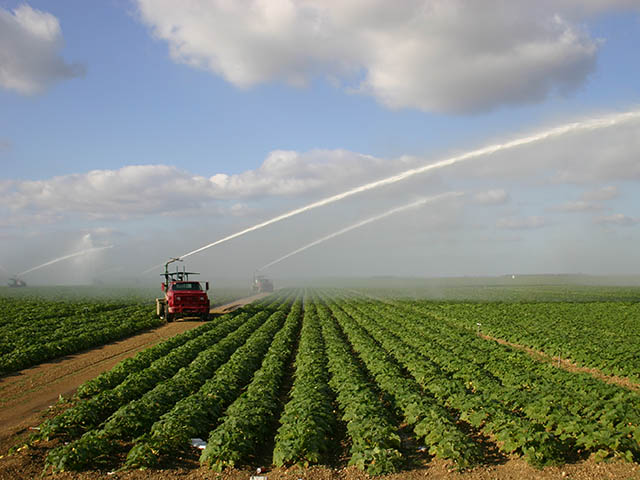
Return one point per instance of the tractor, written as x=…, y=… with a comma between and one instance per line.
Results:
x=16, y=282
x=183, y=297
x=261, y=284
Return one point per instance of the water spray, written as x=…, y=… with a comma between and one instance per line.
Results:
x=586, y=125
x=362, y=223
x=66, y=257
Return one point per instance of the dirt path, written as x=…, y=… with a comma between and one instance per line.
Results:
x=230, y=307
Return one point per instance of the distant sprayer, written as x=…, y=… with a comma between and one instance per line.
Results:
x=261, y=284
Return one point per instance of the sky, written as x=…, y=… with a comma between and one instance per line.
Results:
x=156, y=127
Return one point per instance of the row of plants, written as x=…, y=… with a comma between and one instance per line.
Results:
x=249, y=421
x=111, y=378
x=475, y=404
x=375, y=442
x=314, y=374
x=594, y=334
x=432, y=424
x=308, y=421
x=197, y=414
x=136, y=417
x=43, y=323
x=589, y=415
x=31, y=346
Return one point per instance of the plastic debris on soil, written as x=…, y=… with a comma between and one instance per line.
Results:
x=198, y=443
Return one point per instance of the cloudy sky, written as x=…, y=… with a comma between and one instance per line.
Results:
x=160, y=126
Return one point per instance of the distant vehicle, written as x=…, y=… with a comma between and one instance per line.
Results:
x=17, y=282
x=182, y=297
x=261, y=284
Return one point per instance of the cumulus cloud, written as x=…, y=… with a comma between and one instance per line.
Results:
x=521, y=223
x=617, y=219
x=492, y=197
x=434, y=55
x=287, y=172
x=166, y=190
x=30, y=42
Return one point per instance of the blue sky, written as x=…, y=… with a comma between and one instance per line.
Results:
x=367, y=94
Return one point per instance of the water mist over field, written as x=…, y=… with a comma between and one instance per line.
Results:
x=602, y=122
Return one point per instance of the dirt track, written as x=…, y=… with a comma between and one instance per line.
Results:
x=230, y=307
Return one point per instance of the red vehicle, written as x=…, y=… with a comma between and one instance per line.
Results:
x=182, y=297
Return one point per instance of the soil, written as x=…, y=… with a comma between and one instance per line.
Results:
x=30, y=396
x=29, y=463
x=230, y=307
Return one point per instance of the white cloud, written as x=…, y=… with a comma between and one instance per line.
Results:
x=617, y=219
x=492, y=197
x=129, y=191
x=601, y=194
x=138, y=190
x=521, y=223
x=30, y=41
x=287, y=172
x=434, y=55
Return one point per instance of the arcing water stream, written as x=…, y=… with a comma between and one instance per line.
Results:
x=585, y=125
x=77, y=254
x=362, y=223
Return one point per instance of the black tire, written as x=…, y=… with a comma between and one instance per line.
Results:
x=205, y=317
x=168, y=317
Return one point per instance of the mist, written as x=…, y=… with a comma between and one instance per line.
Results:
x=543, y=203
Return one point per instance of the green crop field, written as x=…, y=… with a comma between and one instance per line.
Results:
x=313, y=376
x=43, y=323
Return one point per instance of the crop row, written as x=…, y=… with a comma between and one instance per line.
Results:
x=432, y=424
x=35, y=329
x=308, y=421
x=136, y=406
x=29, y=346
x=594, y=334
x=314, y=374
x=589, y=414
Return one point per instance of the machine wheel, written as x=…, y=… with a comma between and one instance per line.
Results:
x=205, y=317
x=164, y=313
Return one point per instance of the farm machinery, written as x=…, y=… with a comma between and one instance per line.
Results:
x=182, y=297
x=261, y=284
x=16, y=282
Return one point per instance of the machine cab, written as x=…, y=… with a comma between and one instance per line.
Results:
x=183, y=297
